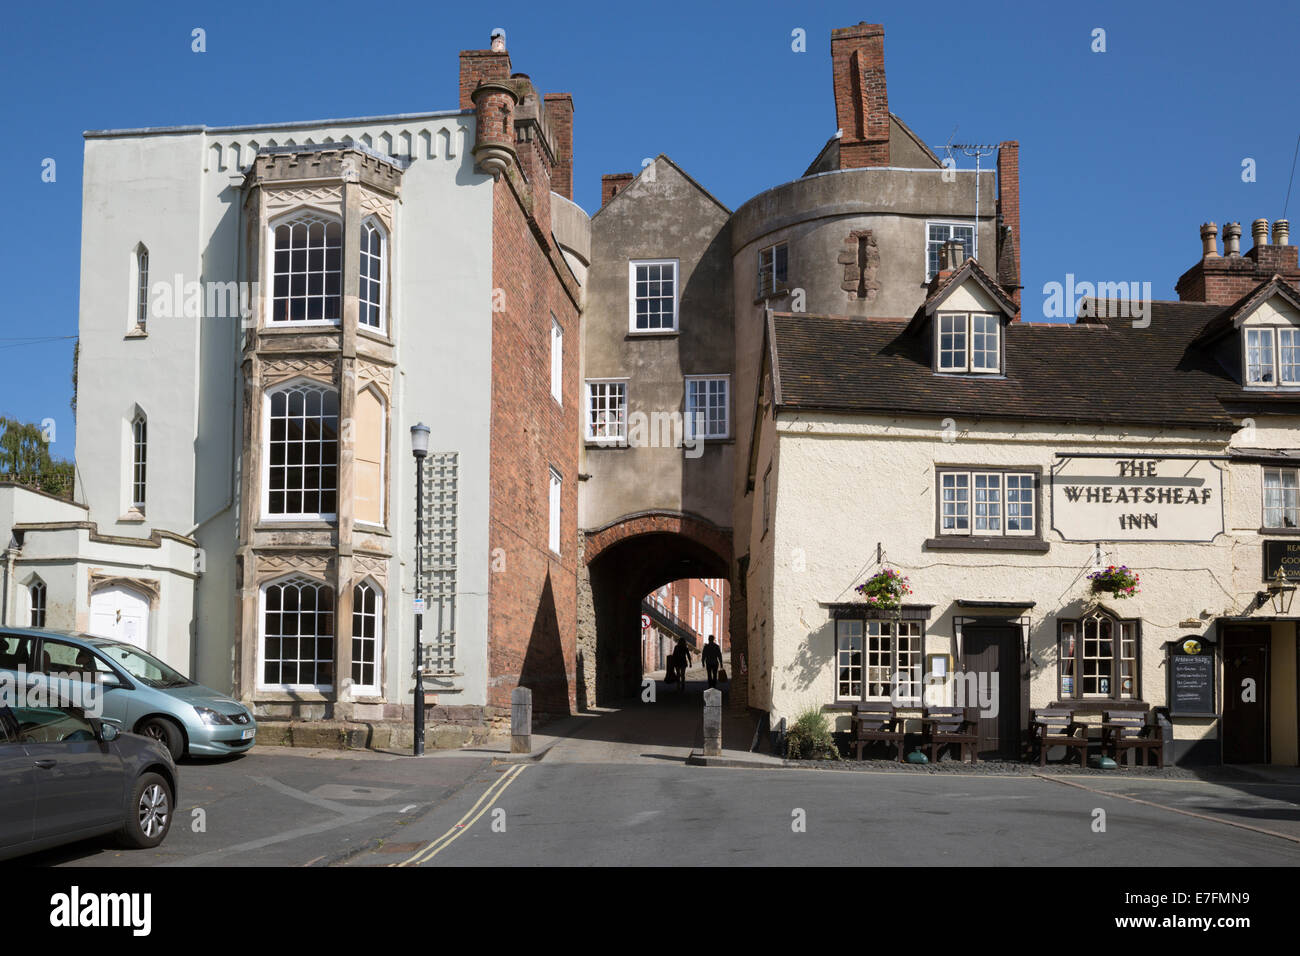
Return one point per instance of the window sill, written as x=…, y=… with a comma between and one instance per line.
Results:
x=967, y=543
x=374, y=335
x=133, y=516
x=612, y=445
x=1276, y=531
x=295, y=524
x=774, y=294
x=138, y=332
x=652, y=334
x=369, y=528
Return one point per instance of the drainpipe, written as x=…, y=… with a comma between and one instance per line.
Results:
x=10, y=554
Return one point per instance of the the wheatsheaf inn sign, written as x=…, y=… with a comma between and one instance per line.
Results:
x=1137, y=499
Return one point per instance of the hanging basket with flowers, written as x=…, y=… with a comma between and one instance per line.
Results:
x=1120, y=582
x=885, y=589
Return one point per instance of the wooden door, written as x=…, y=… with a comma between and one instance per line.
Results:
x=988, y=650
x=1245, y=722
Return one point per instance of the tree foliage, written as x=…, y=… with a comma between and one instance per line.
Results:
x=25, y=458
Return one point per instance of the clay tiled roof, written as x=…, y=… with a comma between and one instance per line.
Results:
x=1102, y=371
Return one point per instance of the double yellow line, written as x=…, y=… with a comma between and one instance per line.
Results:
x=427, y=853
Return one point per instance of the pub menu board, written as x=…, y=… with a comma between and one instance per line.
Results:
x=1191, y=678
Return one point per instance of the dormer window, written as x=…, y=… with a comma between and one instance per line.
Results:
x=968, y=342
x=1272, y=356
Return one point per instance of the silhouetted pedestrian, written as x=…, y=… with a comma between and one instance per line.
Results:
x=712, y=659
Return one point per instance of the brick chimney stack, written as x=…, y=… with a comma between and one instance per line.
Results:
x=612, y=185
x=1223, y=279
x=861, y=99
x=1008, y=265
x=481, y=66
x=559, y=116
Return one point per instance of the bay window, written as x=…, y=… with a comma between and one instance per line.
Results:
x=298, y=634
x=306, y=273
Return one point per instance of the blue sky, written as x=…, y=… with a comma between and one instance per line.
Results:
x=1123, y=153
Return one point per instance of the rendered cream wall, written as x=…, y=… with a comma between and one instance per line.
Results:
x=847, y=484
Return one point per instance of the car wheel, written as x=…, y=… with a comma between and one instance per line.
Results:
x=166, y=733
x=149, y=812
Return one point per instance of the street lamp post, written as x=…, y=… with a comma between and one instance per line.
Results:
x=419, y=448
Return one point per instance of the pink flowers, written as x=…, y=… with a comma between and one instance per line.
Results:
x=1119, y=581
x=886, y=588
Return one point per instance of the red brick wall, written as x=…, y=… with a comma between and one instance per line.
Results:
x=532, y=602
x=861, y=97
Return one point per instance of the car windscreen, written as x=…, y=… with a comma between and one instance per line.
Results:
x=144, y=667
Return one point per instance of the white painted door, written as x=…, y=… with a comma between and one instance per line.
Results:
x=122, y=614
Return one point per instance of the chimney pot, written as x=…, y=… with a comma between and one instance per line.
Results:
x=1281, y=232
x=1232, y=239
x=1259, y=232
x=498, y=41
x=1209, y=241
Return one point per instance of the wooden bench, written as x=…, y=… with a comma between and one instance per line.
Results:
x=1126, y=732
x=950, y=726
x=1058, y=728
x=876, y=723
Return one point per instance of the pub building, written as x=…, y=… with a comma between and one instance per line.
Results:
x=997, y=464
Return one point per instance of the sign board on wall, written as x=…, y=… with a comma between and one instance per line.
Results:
x=1137, y=499
x=1284, y=555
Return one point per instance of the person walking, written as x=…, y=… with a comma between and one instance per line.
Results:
x=711, y=657
x=681, y=660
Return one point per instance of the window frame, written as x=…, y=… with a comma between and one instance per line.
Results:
x=938, y=243
x=632, y=265
x=555, y=508
x=1282, y=489
x=374, y=689
x=141, y=323
x=296, y=579
x=557, y=361
x=373, y=223
x=139, y=461
x=778, y=284
x=967, y=320
x=619, y=440
x=37, y=594
x=291, y=218
x=267, y=399
x=1272, y=336
x=687, y=419
x=1117, y=658
x=971, y=472
x=915, y=654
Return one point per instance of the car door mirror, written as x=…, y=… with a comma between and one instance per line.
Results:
x=108, y=732
x=109, y=681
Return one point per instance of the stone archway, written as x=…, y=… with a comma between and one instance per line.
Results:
x=623, y=561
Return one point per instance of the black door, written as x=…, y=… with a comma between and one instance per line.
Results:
x=989, y=650
x=1245, y=674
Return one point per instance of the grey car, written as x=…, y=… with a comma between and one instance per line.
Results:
x=66, y=777
x=141, y=694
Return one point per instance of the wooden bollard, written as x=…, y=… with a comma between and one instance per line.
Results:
x=713, y=722
x=521, y=721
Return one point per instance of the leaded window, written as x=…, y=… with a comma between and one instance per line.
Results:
x=302, y=452
x=306, y=272
x=298, y=634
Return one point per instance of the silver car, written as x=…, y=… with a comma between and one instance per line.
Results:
x=141, y=694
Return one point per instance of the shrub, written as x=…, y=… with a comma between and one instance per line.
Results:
x=810, y=738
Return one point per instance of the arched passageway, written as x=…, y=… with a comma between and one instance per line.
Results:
x=625, y=561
